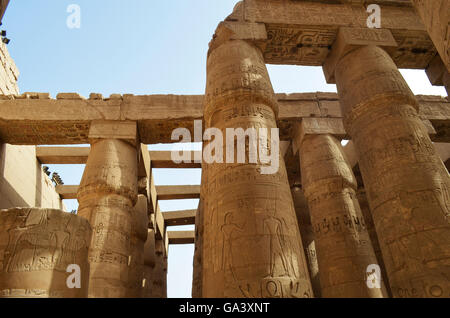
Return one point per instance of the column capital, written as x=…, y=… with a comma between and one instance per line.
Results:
x=317, y=126
x=109, y=129
x=349, y=39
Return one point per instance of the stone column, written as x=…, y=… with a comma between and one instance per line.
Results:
x=159, y=275
x=198, y=257
x=252, y=245
x=307, y=233
x=344, y=250
x=139, y=231
x=407, y=184
x=37, y=246
x=367, y=214
x=106, y=196
x=149, y=264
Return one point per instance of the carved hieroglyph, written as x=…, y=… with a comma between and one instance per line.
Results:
x=36, y=248
x=307, y=233
x=251, y=245
x=344, y=250
x=408, y=186
x=106, y=196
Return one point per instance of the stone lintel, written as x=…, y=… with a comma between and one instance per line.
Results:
x=436, y=71
x=317, y=126
x=349, y=39
x=105, y=129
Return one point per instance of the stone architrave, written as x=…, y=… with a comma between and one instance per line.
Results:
x=343, y=246
x=107, y=196
x=407, y=184
x=435, y=14
x=43, y=254
x=251, y=241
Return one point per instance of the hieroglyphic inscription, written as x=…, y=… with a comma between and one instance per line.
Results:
x=36, y=247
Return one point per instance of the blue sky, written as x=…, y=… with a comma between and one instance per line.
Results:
x=137, y=47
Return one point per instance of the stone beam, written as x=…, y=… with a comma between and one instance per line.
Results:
x=181, y=237
x=34, y=119
x=302, y=32
x=67, y=192
x=163, y=192
x=178, y=192
x=175, y=218
x=78, y=155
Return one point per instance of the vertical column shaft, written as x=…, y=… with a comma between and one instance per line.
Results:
x=139, y=232
x=252, y=245
x=107, y=195
x=408, y=186
x=344, y=250
x=307, y=233
x=367, y=214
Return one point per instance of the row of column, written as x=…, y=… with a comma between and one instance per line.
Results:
x=250, y=244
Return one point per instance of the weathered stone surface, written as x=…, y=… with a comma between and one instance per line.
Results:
x=343, y=246
x=436, y=17
x=149, y=265
x=302, y=32
x=406, y=182
x=251, y=245
x=368, y=220
x=36, y=248
x=139, y=232
x=106, y=196
x=197, y=278
x=307, y=233
x=31, y=121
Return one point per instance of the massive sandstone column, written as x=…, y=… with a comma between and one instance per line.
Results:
x=139, y=232
x=37, y=246
x=159, y=275
x=106, y=196
x=307, y=233
x=408, y=186
x=252, y=245
x=198, y=257
x=344, y=250
x=149, y=265
x=367, y=214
